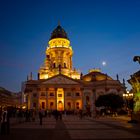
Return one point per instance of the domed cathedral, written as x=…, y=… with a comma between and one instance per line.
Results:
x=61, y=87
x=58, y=56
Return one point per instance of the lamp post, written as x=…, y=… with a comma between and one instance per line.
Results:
x=128, y=97
x=124, y=97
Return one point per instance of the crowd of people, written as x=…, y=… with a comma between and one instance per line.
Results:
x=22, y=115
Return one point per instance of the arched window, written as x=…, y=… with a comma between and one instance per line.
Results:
x=59, y=67
x=60, y=102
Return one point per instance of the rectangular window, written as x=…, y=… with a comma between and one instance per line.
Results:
x=51, y=103
x=68, y=94
x=59, y=95
x=77, y=94
x=42, y=93
x=51, y=94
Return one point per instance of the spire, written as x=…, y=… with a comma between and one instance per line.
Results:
x=81, y=75
x=58, y=22
x=27, y=77
x=59, y=32
x=117, y=77
x=31, y=76
x=123, y=81
x=38, y=76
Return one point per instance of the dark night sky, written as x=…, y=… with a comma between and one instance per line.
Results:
x=99, y=30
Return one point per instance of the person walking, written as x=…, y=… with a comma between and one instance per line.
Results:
x=5, y=124
x=60, y=115
x=40, y=116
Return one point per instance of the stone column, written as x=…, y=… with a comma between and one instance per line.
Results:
x=94, y=99
x=55, y=98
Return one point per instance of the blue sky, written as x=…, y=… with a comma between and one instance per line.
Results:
x=99, y=30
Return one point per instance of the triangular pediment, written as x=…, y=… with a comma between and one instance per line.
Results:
x=60, y=79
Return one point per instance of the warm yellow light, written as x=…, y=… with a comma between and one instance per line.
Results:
x=130, y=94
x=125, y=95
x=94, y=70
x=59, y=42
x=76, y=76
x=60, y=99
x=127, y=91
x=46, y=76
x=23, y=107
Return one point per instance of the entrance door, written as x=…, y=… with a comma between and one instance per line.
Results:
x=60, y=99
x=42, y=104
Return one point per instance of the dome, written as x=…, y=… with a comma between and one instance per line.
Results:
x=96, y=76
x=58, y=32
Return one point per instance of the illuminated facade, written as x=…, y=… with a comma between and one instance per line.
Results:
x=61, y=87
x=8, y=98
x=58, y=56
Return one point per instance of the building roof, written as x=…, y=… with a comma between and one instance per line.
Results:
x=96, y=76
x=3, y=91
x=59, y=32
x=135, y=77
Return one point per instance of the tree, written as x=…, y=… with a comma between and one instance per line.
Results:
x=111, y=100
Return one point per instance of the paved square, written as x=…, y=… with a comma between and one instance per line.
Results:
x=74, y=128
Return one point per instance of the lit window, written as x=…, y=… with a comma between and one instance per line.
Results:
x=59, y=95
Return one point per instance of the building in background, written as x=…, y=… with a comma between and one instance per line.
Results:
x=135, y=83
x=8, y=98
x=60, y=86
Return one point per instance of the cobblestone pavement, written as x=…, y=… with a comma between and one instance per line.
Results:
x=74, y=128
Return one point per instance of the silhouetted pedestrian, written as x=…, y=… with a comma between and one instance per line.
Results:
x=40, y=117
x=81, y=114
x=5, y=124
x=60, y=115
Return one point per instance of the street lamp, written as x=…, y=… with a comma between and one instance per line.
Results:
x=128, y=97
x=131, y=106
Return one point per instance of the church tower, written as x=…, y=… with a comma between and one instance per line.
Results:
x=58, y=56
